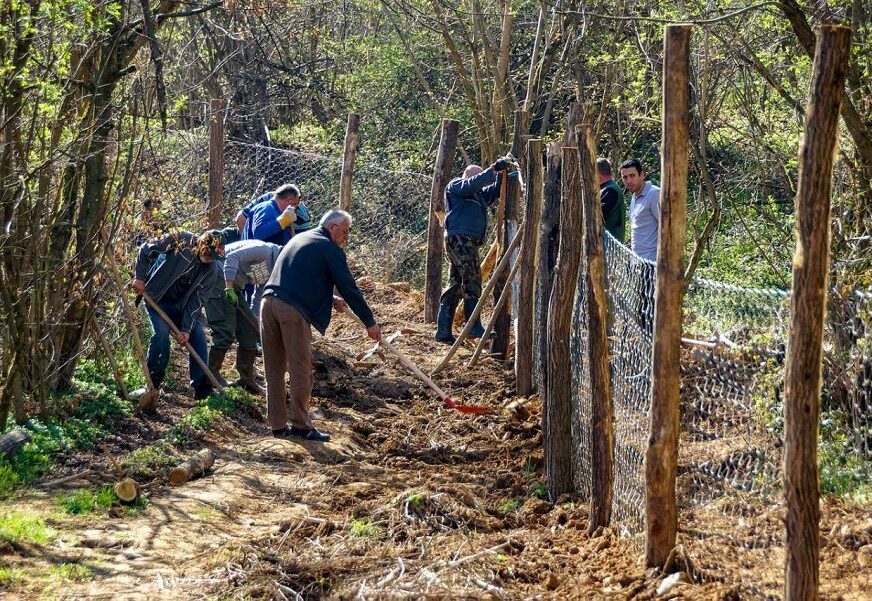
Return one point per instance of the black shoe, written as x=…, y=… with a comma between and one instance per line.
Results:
x=444, y=339
x=313, y=434
x=202, y=390
x=443, y=323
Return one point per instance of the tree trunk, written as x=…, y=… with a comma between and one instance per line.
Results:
x=546, y=257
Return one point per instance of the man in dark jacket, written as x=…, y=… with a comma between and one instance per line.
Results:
x=299, y=294
x=611, y=200
x=174, y=269
x=466, y=201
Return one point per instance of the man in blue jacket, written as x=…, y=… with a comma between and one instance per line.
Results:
x=276, y=217
x=298, y=295
x=467, y=199
x=175, y=270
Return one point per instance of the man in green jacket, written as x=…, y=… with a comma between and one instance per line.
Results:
x=611, y=200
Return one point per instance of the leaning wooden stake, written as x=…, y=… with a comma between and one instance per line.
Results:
x=661, y=458
x=148, y=400
x=546, y=257
x=347, y=174
x=196, y=465
x=478, y=307
x=557, y=401
x=527, y=260
x=808, y=305
x=501, y=302
x=601, y=425
x=110, y=357
x=435, y=225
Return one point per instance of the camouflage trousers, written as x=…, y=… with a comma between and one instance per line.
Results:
x=464, y=280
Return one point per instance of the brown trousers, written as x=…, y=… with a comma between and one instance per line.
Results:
x=287, y=349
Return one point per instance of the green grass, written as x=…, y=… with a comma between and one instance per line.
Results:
x=363, y=528
x=540, y=491
x=151, y=460
x=230, y=402
x=11, y=577
x=66, y=572
x=509, y=505
x=844, y=472
x=415, y=501
x=18, y=527
x=86, y=501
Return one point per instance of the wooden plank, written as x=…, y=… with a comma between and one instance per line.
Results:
x=436, y=221
x=661, y=459
x=811, y=265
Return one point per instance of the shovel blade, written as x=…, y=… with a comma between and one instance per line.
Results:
x=451, y=404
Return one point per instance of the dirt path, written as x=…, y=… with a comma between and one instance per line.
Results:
x=407, y=500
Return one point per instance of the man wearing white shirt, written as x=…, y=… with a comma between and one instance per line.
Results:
x=644, y=231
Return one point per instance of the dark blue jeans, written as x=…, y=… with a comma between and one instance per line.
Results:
x=159, y=346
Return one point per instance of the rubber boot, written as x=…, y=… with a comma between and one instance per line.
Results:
x=477, y=330
x=444, y=322
x=247, y=374
x=216, y=361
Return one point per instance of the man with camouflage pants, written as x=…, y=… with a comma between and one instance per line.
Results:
x=466, y=201
x=230, y=317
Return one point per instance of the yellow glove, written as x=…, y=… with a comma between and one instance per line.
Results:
x=287, y=217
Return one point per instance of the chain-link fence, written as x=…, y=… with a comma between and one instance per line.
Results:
x=734, y=345
x=389, y=207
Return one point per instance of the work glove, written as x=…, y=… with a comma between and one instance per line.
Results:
x=231, y=296
x=502, y=163
x=287, y=217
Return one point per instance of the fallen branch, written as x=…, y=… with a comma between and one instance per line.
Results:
x=65, y=479
x=126, y=490
x=12, y=441
x=193, y=467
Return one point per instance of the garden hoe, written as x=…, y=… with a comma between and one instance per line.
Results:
x=148, y=399
x=410, y=365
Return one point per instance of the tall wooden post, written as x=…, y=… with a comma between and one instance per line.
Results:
x=435, y=223
x=546, y=258
x=602, y=434
x=348, y=161
x=808, y=305
x=500, y=345
x=557, y=412
x=218, y=108
x=661, y=458
x=527, y=269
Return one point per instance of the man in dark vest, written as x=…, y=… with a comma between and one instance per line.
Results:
x=612, y=201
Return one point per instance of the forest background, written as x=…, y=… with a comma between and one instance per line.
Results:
x=101, y=102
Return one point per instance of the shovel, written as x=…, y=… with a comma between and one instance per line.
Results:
x=215, y=383
x=408, y=364
x=149, y=399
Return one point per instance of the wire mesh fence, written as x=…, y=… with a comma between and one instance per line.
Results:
x=389, y=207
x=734, y=347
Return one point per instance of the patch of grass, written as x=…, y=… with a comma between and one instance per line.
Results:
x=11, y=577
x=85, y=500
x=540, y=491
x=67, y=572
x=414, y=500
x=509, y=505
x=843, y=471
x=18, y=527
x=230, y=402
x=530, y=469
x=363, y=528
x=151, y=460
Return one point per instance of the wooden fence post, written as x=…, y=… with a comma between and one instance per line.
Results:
x=808, y=305
x=661, y=458
x=602, y=434
x=348, y=161
x=500, y=345
x=217, y=111
x=546, y=257
x=557, y=412
x=532, y=209
x=435, y=223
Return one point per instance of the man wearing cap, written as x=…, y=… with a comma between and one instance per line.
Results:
x=274, y=219
x=247, y=262
x=175, y=270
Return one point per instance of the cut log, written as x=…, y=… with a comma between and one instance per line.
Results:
x=12, y=441
x=193, y=467
x=126, y=490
